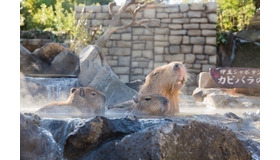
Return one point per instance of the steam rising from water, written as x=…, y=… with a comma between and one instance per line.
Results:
x=37, y=92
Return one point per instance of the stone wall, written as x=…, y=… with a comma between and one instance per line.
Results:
x=185, y=32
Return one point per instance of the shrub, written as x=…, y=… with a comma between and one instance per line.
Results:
x=232, y=16
x=58, y=17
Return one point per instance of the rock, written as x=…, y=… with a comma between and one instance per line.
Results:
x=65, y=63
x=210, y=50
x=212, y=17
x=220, y=99
x=198, y=49
x=49, y=51
x=255, y=116
x=175, y=39
x=211, y=7
x=61, y=128
x=96, y=132
x=184, y=7
x=197, y=40
x=190, y=140
x=246, y=54
x=96, y=73
x=206, y=81
x=34, y=118
x=174, y=49
x=232, y=115
x=198, y=95
x=135, y=84
x=225, y=98
x=36, y=142
x=190, y=58
x=29, y=64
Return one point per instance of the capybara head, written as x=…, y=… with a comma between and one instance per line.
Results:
x=166, y=80
x=152, y=105
x=87, y=97
x=169, y=77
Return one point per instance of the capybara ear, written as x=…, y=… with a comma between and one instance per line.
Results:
x=73, y=90
x=136, y=98
x=82, y=92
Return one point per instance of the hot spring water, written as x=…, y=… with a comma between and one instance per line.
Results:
x=35, y=92
x=38, y=91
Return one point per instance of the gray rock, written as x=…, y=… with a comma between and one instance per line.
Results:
x=30, y=64
x=225, y=98
x=96, y=73
x=190, y=140
x=175, y=39
x=212, y=17
x=36, y=142
x=49, y=51
x=135, y=84
x=206, y=81
x=174, y=49
x=198, y=49
x=96, y=132
x=211, y=7
x=184, y=7
x=190, y=58
x=65, y=63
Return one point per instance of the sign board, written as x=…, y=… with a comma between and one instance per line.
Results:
x=234, y=77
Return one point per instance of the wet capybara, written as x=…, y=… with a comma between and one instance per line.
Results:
x=153, y=105
x=83, y=100
x=166, y=80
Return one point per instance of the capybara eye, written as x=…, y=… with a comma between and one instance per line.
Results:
x=176, y=66
x=155, y=74
x=148, y=99
x=93, y=94
x=73, y=90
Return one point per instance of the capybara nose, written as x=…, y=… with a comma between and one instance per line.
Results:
x=136, y=98
x=176, y=66
x=165, y=101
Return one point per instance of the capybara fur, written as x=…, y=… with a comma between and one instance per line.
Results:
x=166, y=80
x=83, y=100
x=153, y=105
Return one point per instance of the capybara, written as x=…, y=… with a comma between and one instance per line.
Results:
x=166, y=80
x=83, y=100
x=153, y=105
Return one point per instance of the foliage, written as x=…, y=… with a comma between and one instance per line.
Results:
x=232, y=16
x=83, y=35
x=58, y=17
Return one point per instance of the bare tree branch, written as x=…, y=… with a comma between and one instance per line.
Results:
x=110, y=6
x=126, y=4
x=113, y=26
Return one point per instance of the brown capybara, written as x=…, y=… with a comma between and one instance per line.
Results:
x=166, y=80
x=83, y=100
x=153, y=105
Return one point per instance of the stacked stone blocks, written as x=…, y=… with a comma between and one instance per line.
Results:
x=185, y=32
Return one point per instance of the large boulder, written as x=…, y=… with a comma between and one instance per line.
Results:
x=36, y=142
x=192, y=140
x=216, y=136
x=96, y=132
x=49, y=51
x=206, y=81
x=225, y=98
x=135, y=84
x=65, y=63
x=29, y=64
x=96, y=73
